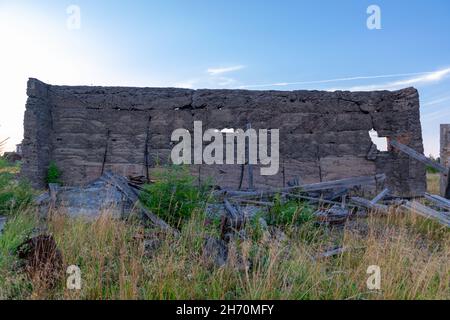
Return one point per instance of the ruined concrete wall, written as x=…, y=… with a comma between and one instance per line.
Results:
x=445, y=154
x=323, y=135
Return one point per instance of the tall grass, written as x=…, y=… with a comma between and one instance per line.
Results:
x=282, y=261
x=413, y=257
x=433, y=181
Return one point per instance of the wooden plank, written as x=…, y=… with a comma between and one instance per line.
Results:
x=234, y=214
x=257, y=203
x=417, y=156
x=342, y=183
x=318, y=200
x=121, y=184
x=330, y=253
x=369, y=205
x=381, y=196
x=438, y=201
x=427, y=212
x=327, y=185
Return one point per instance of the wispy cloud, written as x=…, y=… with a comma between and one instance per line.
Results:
x=436, y=101
x=436, y=115
x=417, y=78
x=215, y=78
x=219, y=71
x=425, y=78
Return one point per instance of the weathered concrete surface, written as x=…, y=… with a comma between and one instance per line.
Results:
x=97, y=198
x=445, y=154
x=323, y=135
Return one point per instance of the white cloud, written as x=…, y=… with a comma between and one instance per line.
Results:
x=425, y=78
x=219, y=71
x=421, y=77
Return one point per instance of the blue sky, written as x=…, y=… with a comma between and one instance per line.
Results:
x=280, y=45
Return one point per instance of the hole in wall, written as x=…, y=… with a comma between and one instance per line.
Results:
x=227, y=130
x=380, y=142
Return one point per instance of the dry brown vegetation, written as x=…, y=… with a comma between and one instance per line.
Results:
x=433, y=180
x=413, y=254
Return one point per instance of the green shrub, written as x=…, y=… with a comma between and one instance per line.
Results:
x=175, y=195
x=53, y=173
x=432, y=170
x=13, y=284
x=3, y=163
x=289, y=213
x=14, y=195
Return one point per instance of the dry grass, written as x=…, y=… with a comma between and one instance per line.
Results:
x=433, y=181
x=413, y=255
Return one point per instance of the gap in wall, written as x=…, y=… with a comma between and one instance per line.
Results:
x=380, y=142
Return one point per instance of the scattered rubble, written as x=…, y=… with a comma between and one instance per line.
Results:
x=336, y=202
x=111, y=192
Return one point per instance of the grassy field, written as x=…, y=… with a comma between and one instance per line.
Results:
x=413, y=256
x=433, y=181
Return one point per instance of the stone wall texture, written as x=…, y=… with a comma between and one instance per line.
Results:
x=323, y=135
x=445, y=153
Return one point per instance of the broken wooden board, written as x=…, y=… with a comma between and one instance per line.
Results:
x=331, y=253
x=417, y=156
x=380, y=196
x=369, y=205
x=438, y=201
x=327, y=185
x=316, y=200
x=334, y=215
x=254, y=202
x=121, y=183
x=427, y=212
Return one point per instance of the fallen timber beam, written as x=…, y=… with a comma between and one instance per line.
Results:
x=427, y=212
x=318, y=200
x=336, y=184
x=332, y=252
x=234, y=214
x=438, y=201
x=254, y=202
x=420, y=157
x=122, y=184
x=233, y=220
x=369, y=205
x=417, y=156
x=380, y=196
